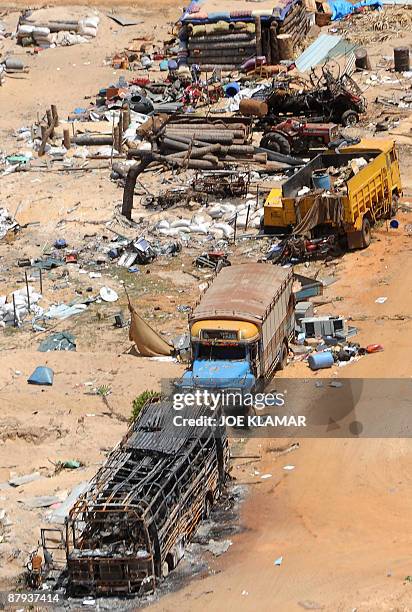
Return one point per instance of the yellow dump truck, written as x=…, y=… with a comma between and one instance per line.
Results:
x=344, y=192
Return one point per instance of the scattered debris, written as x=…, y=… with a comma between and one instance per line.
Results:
x=18, y=481
x=42, y=375
x=60, y=341
x=218, y=548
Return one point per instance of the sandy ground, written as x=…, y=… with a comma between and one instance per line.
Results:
x=341, y=519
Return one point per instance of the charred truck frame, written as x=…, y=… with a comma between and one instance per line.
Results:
x=131, y=525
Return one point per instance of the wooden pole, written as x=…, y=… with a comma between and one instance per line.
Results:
x=285, y=46
x=43, y=129
x=247, y=216
x=50, y=122
x=273, y=43
x=27, y=290
x=66, y=139
x=55, y=114
x=235, y=228
x=111, y=152
x=41, y=282
x=125, y=119
x=45, y=134
x=14, y=311
x=258, y=28
x=116, y=137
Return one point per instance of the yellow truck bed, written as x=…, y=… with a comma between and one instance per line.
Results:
x=370, y=192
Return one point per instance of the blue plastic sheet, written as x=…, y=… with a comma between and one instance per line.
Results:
x=341, y=8
x=42, y=375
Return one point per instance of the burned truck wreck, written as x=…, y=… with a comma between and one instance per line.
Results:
x=323, y=97
x=130, y=527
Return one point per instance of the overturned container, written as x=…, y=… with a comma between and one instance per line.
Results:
x=320, y=361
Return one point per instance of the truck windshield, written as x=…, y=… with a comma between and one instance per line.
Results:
x=230, y=353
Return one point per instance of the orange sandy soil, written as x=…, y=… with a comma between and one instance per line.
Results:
x=341, y=519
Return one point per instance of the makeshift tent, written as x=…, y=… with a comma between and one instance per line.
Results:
x=148, y=342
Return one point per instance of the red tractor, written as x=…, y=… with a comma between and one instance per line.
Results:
x=294, y=136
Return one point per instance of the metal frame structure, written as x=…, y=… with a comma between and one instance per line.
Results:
x=131, y=525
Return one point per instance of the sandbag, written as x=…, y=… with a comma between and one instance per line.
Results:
x=217, y=233
x=170, y=233
x=180, y=223
x=199, y=229
x=215, y=212
x=25, y=30
x=227, y=230
x=163, y=224
x=90, y=22
x=87, y=31
x=40, y=31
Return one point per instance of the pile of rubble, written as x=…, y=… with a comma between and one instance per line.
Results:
x=378, y=26
x=324, y=341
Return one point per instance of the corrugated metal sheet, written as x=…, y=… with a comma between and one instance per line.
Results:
x=155, y=431
x=243, y=291
x=325, y=47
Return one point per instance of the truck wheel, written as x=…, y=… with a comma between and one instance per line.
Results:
x=283, y=361
x=366, y=232
x=394, y=205
x=349, y=118
x=276, y=142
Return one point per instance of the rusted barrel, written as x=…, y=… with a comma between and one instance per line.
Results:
x=401, y=58
x=254, y=108
x=361, y=58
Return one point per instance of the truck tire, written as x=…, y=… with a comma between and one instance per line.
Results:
x=394, y=205
x=349, y=118
x=283, y=361
x=366, y=232
x=276, y=142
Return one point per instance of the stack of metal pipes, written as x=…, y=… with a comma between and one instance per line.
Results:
x=205, y=145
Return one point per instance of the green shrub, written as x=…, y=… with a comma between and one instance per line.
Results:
x=140, y=401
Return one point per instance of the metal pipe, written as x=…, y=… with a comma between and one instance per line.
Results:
x=14, y=311
x=198, y=153
x=279, y=157
x=189, y=130
x=187, y=140
x=212, y=137
x=28, y=292
x=247, y=217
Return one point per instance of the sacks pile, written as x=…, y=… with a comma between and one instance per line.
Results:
x=218, y=223
x=41, y=35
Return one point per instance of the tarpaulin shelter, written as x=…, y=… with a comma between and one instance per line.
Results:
x=148, y=342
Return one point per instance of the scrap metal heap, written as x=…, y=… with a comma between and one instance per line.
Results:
x=131, y=525
x=326, y=96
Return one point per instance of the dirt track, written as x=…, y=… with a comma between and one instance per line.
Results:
x=341, y=519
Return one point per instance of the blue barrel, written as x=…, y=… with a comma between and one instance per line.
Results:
x=321, y=180
x=232, y=89
x=318, y=361
x=394, y=224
